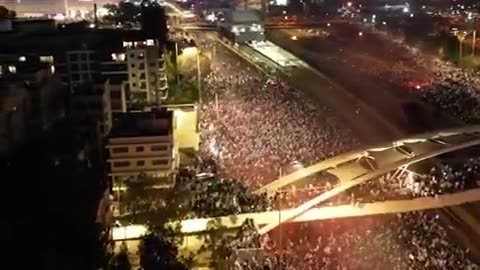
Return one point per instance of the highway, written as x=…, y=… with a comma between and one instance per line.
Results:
x=382, y=115
x=375, y=112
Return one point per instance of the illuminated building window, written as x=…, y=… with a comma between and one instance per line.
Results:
x=46, y=59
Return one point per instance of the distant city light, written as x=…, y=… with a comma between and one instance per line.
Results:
x=328, y=25
x=360, y=34
x=349, y=4
x=406, y=9
x=294, y=38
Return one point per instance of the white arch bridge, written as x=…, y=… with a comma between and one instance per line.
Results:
x=352, y=169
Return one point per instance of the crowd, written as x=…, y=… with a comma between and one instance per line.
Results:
x=217, y=196
x=414, y=240
x=454, y=90
x=256, y=126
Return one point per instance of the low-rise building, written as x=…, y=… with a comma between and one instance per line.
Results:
x=141, y=149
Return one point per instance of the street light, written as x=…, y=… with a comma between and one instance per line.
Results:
x=461, y=37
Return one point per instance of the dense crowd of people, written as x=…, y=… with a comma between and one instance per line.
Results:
x=256, y=126
x=416, y=241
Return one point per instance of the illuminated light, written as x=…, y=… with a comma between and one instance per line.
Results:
x=12, y=69
x=211, y=17
x=294, y=38
x=284, y=12
x=349, y=4
x=418, y=86
x=406, y=10
x=190, y=51
x=374, y=16
x=92, y=25
x=235, y=29
x=411, y=15
x=328, y=25
x=128, y=232
x=52, y=69
x=384, y=23
x=286, y=17
x=22, y=59
x=360, y=34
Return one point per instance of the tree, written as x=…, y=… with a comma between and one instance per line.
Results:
x=156, y=252
x=218, y=243
x=125, y=12
x=121, y=262
x=154, y=21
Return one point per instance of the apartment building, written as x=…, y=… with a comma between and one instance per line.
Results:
x=146, y=72
x=90, y=106
x=141, y=149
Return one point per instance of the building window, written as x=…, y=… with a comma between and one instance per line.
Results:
x=141, y=163
x=159, y=162
x=142, y=76
x=139, y=149
x=143, y=86
x=84, y=56
x=73, y=57
x=46, y=59
x=152, y=64
x=84, y=66
x=142, y=66
x=132, y=65
x=118, y=150
x=159, y=148
x=121, y=164
x=132, y=55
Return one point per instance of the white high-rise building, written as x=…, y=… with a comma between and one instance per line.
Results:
x=146, y=73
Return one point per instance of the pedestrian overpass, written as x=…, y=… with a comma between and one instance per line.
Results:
x=352, y=169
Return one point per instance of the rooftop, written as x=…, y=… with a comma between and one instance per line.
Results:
x=141, y=124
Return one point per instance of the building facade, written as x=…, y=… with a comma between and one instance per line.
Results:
x=90, y=107
x=141, y=149
x=146, y=73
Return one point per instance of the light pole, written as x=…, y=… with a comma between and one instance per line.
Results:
x=474, y=42
x=461, y=37
x=199, y=77
x=177, y=71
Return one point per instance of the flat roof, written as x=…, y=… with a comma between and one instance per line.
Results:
x=141, y=124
